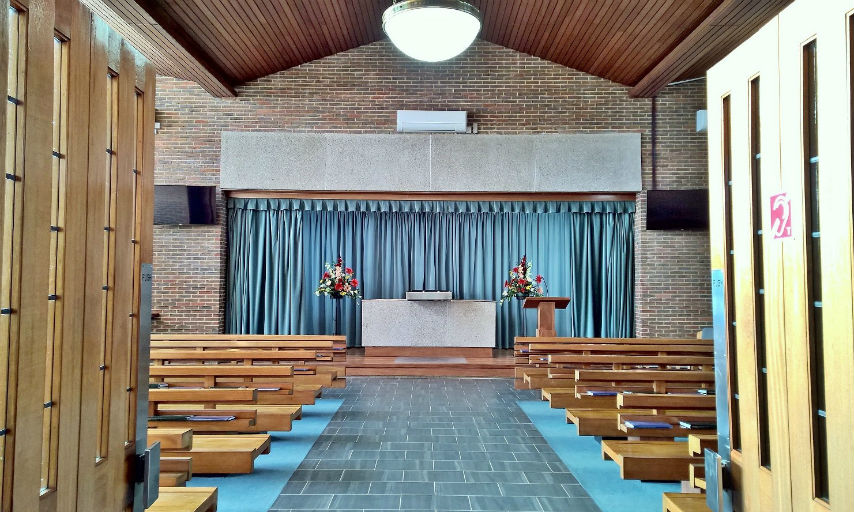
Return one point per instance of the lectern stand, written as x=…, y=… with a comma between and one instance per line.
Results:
x=546, y=313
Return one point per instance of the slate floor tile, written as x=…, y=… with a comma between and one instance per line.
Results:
x=568, y=504
x=504, y=503
x=400, y=443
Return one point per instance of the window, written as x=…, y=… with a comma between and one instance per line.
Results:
x=12, y=207
x=813, y=269
x=50, y=424
x=730, y=276
x=108, y=270
x=759, y=276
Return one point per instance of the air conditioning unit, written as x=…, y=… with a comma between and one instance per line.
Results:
x=415, y=121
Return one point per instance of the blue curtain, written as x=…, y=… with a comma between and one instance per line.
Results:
x=277, y=248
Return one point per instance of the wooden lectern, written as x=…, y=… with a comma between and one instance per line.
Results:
x=546, y=313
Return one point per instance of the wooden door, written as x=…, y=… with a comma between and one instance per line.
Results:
x=75, y=214
x=788, y=137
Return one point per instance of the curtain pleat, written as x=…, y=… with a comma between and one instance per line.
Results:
x=277, y=248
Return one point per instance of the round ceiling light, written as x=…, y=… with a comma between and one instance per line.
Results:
x=432, y=30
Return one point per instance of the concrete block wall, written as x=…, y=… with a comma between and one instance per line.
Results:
x=359, y=91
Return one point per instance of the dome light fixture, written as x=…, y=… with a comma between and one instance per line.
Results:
x=432, y=30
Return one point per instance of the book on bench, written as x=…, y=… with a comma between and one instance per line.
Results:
x=698, y=425
x=169, y=417
x=602, y=393
x=637, y=424
x=190, y=417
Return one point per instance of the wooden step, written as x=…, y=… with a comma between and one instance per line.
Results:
x=185, y=499
x=171, y=438
x=650, y=460
x=224, y=454
x=680, y=502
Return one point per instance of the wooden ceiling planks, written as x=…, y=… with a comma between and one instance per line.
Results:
x=639, y=43
x=169, y=47
x=731, y=22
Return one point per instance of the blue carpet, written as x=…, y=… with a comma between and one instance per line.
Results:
x=257, y=491
x=583, y=456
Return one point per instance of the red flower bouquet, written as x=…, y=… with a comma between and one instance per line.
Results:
x=338, y=281
x=522, y=283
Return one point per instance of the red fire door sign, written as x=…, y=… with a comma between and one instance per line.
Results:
x=781, y=216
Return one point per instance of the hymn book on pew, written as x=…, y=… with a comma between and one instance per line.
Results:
x=637, y=424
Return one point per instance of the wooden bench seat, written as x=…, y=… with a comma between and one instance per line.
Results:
x=611, y=422
x=668, y=400
x=671, y=417
x=596, y=422
x=202, y=402
x=681, y=502
x=172, y=479
x=171, y=438
x=232, y=420
x=651, y=460
x=224, y=454
x=624, y=361
x=175, y=471
x=662, y=380
x=185, y=499
x=331, y=348
x=697, y=476
x=699, y=443
x=543, y=362
x=267, y=417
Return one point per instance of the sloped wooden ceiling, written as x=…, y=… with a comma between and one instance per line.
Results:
x=640, y=43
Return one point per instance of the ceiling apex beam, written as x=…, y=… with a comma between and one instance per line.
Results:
x=732, y=22
x=166, y=44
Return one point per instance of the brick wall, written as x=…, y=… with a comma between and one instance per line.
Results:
x=359, y=91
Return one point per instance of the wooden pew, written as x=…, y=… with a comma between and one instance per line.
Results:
x=611, y=422
x=576, y=397
x=673, y=418
x=242, y=421
x=225, y=454
x=315, y=361
x=651, y=460
x=333, y=348
x=660, y=379
x=532, y=355
x=185, y=499
x=296, y=389
x=242, y=404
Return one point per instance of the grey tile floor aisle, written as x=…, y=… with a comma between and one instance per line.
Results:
x=402, y=443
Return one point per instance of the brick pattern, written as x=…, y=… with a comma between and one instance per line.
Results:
x=358, y=91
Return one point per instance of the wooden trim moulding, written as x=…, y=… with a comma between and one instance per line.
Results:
x=432, y=196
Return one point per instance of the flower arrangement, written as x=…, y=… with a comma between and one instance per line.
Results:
x=521, y=283
x=338, y=281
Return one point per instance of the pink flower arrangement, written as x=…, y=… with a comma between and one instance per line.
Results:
x=522, y=283
x=338, y=281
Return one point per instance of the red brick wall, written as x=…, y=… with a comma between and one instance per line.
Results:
x=359, y=91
